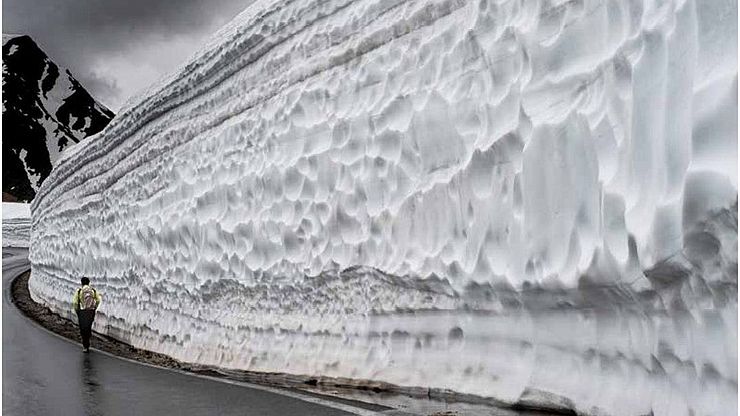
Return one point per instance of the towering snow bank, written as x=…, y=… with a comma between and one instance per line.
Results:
x=531, y=201
x=16, y=224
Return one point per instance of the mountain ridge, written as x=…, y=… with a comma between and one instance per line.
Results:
x=45, y=110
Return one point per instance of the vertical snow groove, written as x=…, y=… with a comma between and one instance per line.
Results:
x=510, y=199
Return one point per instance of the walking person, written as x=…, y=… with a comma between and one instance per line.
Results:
x=85, y=302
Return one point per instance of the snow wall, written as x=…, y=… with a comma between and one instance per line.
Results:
x=526, y=200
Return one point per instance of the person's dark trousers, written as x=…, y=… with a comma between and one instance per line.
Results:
x=86, y=318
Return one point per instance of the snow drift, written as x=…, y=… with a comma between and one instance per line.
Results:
x=529, y=201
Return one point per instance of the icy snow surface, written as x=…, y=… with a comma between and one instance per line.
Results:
x=533, y=201
x=16, y=224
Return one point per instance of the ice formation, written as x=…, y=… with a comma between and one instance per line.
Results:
x=16, y=224
x=533, y=201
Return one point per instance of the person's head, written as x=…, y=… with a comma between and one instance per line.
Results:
x=85, y=281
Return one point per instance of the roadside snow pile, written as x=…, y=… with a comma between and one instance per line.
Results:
x=529, y=201
x=16, y=224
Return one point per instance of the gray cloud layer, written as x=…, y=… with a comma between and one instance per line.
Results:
x=117, y=47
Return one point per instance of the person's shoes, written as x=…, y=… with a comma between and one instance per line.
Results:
x=85, y=349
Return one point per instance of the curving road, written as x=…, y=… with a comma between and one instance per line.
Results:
x=46, y=375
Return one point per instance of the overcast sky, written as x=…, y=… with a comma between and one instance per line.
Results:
x=117, y=47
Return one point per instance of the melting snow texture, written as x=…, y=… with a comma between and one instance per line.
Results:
x=534, y=201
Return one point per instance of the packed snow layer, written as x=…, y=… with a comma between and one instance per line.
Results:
x=16, y=224
x=527, y=200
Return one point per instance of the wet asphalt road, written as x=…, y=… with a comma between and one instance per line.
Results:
x=46, y=375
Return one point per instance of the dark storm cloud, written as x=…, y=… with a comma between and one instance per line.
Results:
x=103, y=42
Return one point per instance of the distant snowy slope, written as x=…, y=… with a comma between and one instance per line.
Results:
x=45, y=109
x=531, y=201
x=16, y=221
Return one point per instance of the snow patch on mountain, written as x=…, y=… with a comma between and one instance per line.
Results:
x=529, y=201
x=45, y=109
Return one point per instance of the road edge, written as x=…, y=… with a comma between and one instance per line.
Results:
x=302, y=387
x=20, y=282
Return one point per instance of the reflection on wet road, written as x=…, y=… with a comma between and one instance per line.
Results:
x=46, y=375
